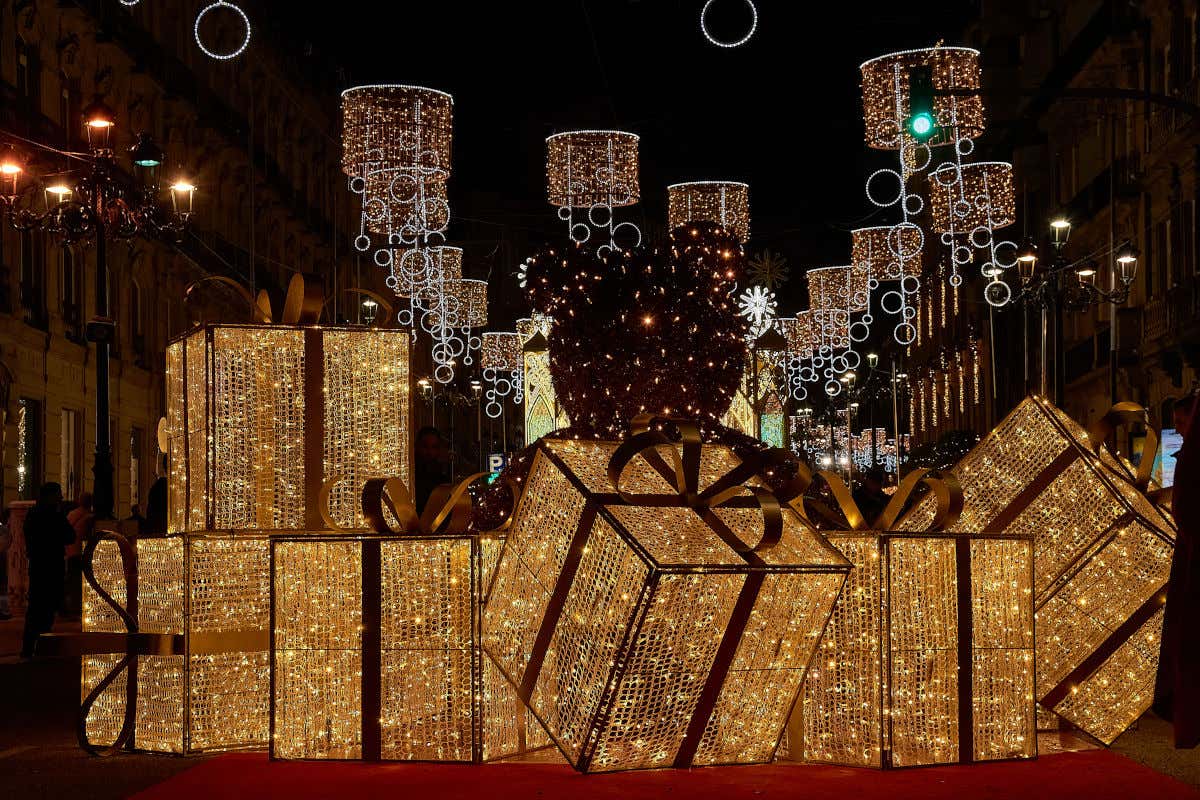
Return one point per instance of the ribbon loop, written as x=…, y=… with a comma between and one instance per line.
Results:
x=944, y=485
x=1124, y=414
x=448, y=510
x=302, y=303
x=683, y=471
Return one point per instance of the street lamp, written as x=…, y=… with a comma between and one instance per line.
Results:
x=369, y=309
x=91, y=209
x=1060, y=230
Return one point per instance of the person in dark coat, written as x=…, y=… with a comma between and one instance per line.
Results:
x=1177, y=690
x=431, y=467
x=47, y=534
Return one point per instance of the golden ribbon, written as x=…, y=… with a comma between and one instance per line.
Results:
x=944, y=485
x=448, y=509
x=301, y=305
x=683, y=471
x=1121, y=415
x=131, y=643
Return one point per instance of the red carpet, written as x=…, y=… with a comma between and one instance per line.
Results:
x=1093, y=775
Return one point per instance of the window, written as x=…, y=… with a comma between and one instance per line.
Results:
x=29, y=448
x=29, y=69
x=71, y=453
x=33, y=279
x=72, y=293
x=136, y=442
x=136, y=326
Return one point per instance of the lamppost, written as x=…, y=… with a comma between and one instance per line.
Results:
x=99, y=206
x=477, y=392
x=1046, y=289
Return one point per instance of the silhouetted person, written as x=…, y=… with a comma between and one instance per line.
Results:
x=83, y=519
x=869, y=495
x=1177, y=690
x=47, y=534
x=431, y=465
x=156, y=508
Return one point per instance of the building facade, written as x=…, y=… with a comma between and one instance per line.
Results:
x=1098, y=106
x=257, y=135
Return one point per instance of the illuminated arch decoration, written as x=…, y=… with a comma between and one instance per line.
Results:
x=542, y=412
x=589, y=174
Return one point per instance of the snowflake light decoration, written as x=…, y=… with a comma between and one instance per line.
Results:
x=757, y=304
x=769, y=269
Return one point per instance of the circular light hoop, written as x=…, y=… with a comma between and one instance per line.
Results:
x=892, y=302
x=899, y=187
x=1009, y=248
x=905, y=333
x=718, y=42
x=997, y=293
x=212, y=53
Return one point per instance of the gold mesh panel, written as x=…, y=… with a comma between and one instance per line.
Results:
x=177, y=500
x=683, y=625
x=229, y=700
x=159, y=725
x=426, y=638
x=258, y=427
x=103, y=722
x=766, y=672
x=1003, y=655
x=106, y=566
x=588, y=461
x=596, y=615
x=1121, y=690
x=318, y=660
x=676, y=535
x=366, y=415
x=841, y=704
x=197, y=468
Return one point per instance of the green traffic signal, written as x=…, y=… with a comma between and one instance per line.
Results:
x=921, y=125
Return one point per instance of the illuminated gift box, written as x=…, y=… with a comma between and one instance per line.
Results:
x=928, y=657
x=175, y=661
x=646, y=632
x=1102, y=555
x=260, y=417
x=375, y=650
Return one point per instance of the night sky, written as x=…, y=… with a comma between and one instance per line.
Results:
x=780, y=113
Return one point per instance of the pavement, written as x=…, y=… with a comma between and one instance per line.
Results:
x=40, y=758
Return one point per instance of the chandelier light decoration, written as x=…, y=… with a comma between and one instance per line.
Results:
x=758, y=305
x=803, y=339
x=589, y=174
x=957, y=119
x=396, y=153
x=726, y=203
x=968, y=203
x=502, y=370
x=835, y=295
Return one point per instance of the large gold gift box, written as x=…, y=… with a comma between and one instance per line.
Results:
x=644, y=627
x=928, y=658
x=1102, y=555
x=375, y=651
x=192, y=676
x=260, y=417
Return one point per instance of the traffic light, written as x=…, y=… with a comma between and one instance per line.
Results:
x=921, y=123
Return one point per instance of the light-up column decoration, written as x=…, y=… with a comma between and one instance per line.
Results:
x=503, y=369
x=588, y=175
x=726, y=203
x=889, y=254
